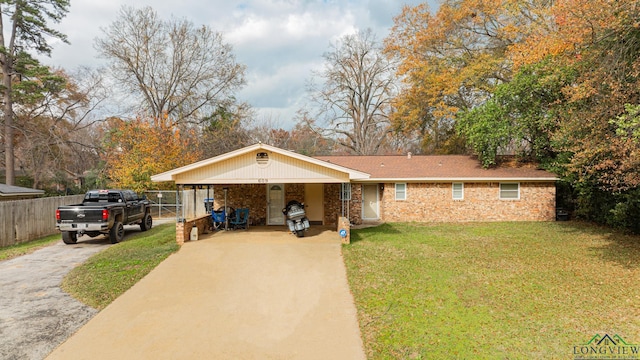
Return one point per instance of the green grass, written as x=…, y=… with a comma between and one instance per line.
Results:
x=108, y=274
x=13, y=251
x=492, y=290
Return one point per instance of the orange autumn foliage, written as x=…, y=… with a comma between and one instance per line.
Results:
x=570, y=28
x=137, y=149
x=453, y=60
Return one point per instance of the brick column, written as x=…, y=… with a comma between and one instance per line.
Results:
x=344, y=229
x=180, y=233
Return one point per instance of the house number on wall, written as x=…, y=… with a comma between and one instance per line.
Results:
x=263, y=181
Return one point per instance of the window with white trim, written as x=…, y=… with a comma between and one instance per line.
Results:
x=509, y=191
x=457, y=191
x=401, y=191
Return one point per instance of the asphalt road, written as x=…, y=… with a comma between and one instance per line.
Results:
x=35, y=314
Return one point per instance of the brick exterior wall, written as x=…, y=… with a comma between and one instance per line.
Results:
x=183, y=229
x=180, y=235
x=252, y=196
x=333, y=204
x=355, y=209
x=426, y=202
x=433, y=202
x=293, y=192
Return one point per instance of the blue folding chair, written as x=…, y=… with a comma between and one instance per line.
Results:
x=218, y=218
x=241, y=220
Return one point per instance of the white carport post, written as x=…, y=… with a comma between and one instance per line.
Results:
x=195, y=200
x=180, y=215
x=226, y=210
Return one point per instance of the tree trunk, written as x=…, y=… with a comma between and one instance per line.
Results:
x=7, y=70
x=8, y=124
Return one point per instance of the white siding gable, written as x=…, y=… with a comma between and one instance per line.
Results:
x=245, y=169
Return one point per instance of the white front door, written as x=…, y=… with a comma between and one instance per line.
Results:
x=275, y=203
x=370, y=202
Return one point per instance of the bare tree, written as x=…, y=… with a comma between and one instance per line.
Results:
x=355, y=96
x=223, y=130
x=177, y=69
x=267, y=129
x=54, y=121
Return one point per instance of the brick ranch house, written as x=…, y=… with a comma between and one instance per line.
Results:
x=369, y=188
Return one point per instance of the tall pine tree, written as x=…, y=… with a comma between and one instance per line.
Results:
x=23, y=27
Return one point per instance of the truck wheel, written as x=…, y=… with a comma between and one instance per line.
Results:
x=300, y=233
x=69, y=237
x=147, y=222
x=116, y=234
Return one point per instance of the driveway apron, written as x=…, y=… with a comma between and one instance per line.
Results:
x=258, y=294
x=35, y=314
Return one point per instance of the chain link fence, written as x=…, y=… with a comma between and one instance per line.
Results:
x=163, y=204
x=187, y=204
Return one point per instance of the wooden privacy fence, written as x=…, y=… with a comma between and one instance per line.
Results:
x=25, y=220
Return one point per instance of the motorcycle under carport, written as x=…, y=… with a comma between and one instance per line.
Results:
x=296, y=217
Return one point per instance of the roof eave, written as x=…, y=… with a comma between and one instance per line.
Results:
x=21, y=194
x=463, y=179
x=353, y=174
x=171, y=175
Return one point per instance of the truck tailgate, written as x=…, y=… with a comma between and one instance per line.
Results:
x=81, y=215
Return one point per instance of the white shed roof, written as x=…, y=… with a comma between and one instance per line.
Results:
x=260, y=163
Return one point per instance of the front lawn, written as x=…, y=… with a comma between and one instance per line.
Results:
x=492, y=290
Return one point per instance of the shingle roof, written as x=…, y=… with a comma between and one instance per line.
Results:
x=434, y=167
x=10, y=190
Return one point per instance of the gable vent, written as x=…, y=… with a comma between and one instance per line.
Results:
x=262, y=158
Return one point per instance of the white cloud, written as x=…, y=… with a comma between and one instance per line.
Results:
x=272, y=31
x=280, y=88
x=280, y=41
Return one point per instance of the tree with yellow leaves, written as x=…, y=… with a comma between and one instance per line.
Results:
x=453, y=60
x=573, y=104
x=137, y=149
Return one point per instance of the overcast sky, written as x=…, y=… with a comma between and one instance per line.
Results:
x=280, y=41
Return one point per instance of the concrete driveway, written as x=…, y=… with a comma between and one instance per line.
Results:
x=258, y=294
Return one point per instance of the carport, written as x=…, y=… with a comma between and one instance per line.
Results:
x=262, y=178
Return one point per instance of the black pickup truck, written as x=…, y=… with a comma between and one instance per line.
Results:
x=103, y=212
